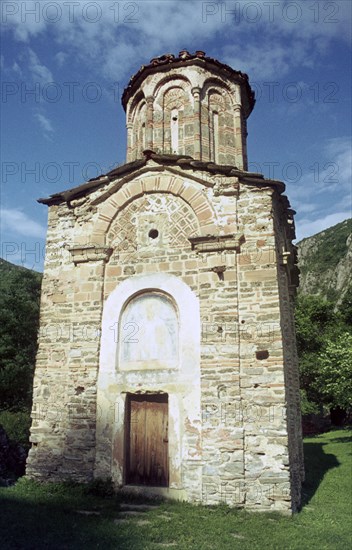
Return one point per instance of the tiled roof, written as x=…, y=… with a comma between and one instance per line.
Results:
x=183, y=162
x=169, y=61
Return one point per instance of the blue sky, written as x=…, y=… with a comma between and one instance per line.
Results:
x=65, y=64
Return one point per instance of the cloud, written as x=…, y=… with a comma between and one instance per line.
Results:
x=24, y=19
x=17, y=69
x=45, y=123
x=339, y=151
x=111, y=36
x=307, y=228
x=18, y=222
x=328, y=180
x=325, y=189
x=262, y=62
x=307, y=208
x=39, y=72
x=60, y=58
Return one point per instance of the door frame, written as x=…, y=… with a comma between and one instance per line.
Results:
x=157, y=397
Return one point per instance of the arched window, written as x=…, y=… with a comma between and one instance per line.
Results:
x=148, y=333
x=215, y=127
x=216, y=111
x=143, y=137
x=174, y=131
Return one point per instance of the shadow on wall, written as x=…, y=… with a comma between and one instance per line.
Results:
x=317, y=464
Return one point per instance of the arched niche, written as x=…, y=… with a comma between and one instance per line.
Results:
x=169, y=82
x=134, y=106
x=139, y=129
x=229, y=91
x=148, y=333
x=218, y=113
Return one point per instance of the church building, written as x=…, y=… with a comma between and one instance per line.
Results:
x=167, y=357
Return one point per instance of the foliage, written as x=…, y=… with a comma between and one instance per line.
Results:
x=16, y=425
x=51, y=515
x=308, y=407
x=323, y=317
x=334, y=377
x=315, y=318
x=19, y=320
x=346, y=307
x=318, y=328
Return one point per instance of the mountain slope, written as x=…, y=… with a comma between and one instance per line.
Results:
x=325, y=262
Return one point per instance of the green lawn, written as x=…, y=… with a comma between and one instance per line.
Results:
x=36, y=517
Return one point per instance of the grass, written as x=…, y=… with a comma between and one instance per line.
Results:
x=34, y=516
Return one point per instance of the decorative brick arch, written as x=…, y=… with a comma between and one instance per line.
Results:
x=187, y=190
x=174, y=81
x=215, y=85
x=133, y=107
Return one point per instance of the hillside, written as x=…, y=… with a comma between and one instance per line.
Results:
x=325, y=262
x=19, y=320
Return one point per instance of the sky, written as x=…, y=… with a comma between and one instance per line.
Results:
x=65, y=64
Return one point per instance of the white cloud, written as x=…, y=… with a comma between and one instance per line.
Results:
x=18, y=222
x=307, y=228
x=45, y=123
x=17, y=69
x=326, y=188
x=39, y=72
x=112, y=36
x=339, y=152
x=61, y=58
x=307, y=208
x=262, y=62
x=25, y=19
x=329, y=180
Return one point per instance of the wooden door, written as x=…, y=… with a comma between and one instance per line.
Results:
x=147, y=440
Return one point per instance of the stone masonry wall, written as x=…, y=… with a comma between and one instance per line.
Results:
x=286, y=272
x=49, y=414
x=218, y=237
x=262, y=404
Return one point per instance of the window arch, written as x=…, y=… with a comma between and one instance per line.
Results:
x=174, y=101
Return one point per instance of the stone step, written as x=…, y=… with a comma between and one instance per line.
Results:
x=131, y=513
x=139, y=507
x=88, y=512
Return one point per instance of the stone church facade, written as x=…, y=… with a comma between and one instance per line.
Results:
x=167, y=357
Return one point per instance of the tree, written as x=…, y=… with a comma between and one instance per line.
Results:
x=334, y=379
x=314, y=319
x=19, y=320
x=319, y=327
x=346, y=307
